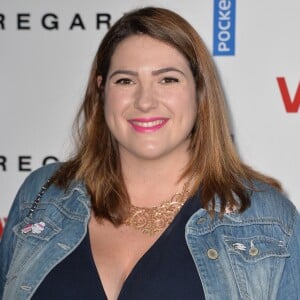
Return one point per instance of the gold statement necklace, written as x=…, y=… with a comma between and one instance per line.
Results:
x=150, y=220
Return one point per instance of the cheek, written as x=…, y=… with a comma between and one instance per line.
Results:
x=188, y=108
x=108, y=109
x=117, y=101
x=183, y=103
x=112, y=105
x=190, y=117
x=116, y=108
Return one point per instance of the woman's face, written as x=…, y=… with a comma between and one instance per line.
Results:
x=150, y=99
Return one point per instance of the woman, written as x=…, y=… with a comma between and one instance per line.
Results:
x=155, y=204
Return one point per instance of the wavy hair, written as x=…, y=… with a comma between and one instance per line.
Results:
x=213, y=158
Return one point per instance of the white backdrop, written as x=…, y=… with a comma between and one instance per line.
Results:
x=43, y=74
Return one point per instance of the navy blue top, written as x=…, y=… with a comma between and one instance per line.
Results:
x=165, y=271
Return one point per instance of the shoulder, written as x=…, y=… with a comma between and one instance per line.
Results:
x=34, y=182
x=44, y=173
x=32, y=187
x=271, y=205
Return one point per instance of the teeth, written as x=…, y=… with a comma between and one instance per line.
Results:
x=148, y=124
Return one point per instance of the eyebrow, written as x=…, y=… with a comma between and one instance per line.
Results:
x=155, y=72
x=164, y=70
x=127, y=72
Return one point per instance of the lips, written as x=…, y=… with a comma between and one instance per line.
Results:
x=148, y=124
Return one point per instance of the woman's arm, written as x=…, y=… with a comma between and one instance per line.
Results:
x=290, y=283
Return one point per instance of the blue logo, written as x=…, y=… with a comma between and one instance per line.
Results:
x=224, y=27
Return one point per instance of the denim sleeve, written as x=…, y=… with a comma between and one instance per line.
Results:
x=290, y=283
x=28, y=190
x=7, y=242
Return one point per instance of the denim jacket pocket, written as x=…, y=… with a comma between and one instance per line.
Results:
x=255, y=248
x=260, y=258
x=37, y=230
x=31, y=235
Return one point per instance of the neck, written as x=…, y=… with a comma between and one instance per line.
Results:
x=149, y=182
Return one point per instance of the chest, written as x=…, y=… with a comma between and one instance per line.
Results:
x=116, y=251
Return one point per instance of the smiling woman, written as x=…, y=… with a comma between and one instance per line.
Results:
x=155, y=203
x=150, y=101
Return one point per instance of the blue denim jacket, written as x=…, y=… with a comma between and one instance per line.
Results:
x=253, y=255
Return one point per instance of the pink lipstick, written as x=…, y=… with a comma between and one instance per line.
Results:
x=148, y=124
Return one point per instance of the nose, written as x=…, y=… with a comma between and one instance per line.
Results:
x=145, y=98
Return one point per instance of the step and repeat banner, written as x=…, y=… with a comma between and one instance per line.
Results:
x=47, y=47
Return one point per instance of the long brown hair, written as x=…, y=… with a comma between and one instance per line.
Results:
x=214, y=160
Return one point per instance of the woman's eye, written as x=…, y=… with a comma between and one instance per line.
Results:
x=169, y=80
x=124, y=81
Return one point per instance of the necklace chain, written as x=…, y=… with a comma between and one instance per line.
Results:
x=150, y=220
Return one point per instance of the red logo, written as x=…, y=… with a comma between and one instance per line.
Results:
x=2, y=223
x=291, y=105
